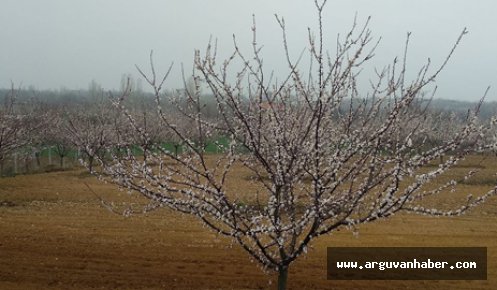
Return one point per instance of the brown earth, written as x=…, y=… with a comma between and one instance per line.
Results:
x=54, y=234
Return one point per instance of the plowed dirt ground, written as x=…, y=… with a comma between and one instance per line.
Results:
x=54, y=234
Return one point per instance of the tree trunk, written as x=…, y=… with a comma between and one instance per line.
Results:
x=37, y=157
x=90, y=163
x=176, y=149
x=282, y=277
x=15, y=163
x=61, y=161
x=27, y=161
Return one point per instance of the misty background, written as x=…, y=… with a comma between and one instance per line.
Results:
x=56, y=44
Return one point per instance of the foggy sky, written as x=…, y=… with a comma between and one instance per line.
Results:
x=52, y=44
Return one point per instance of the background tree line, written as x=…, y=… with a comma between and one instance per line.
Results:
x=38, y=127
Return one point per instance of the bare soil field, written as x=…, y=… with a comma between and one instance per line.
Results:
x=55, y=234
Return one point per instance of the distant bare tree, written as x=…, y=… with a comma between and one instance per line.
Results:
x=322, y=156
x=58, y=137
x=18, y=123
x=92, y=132
x=440, y=127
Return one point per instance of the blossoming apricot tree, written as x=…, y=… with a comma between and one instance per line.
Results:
x=321, y=155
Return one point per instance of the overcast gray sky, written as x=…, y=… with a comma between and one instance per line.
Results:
x=68, y=43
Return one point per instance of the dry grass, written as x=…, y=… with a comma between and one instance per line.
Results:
x=56, y=235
